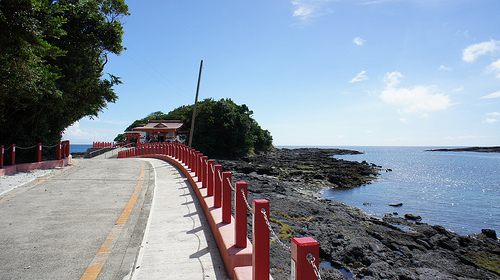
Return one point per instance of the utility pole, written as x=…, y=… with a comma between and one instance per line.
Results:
x=195, y=105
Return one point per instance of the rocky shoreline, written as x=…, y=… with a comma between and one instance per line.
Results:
x=470, y=149
x=357, y=246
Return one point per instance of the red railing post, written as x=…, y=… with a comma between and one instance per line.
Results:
x=39, y=153
x=198, y=166
x=184, y=154
x=194, y=156
x=189, y=158
x=67, y=148
x=260, y=239
x=13, y=155
x=181, y=154
x=217, y=185
x=226, y=197
x=58, y=150
x=204, y=171
x=210, y=177
x=1, y=156
x=240, y=215
x=304, y=250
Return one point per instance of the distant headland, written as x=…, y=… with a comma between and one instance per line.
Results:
x=470, y=149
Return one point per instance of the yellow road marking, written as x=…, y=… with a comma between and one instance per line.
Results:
x=100, y=258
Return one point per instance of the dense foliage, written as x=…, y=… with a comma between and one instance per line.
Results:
x=52, y=56
x=222, y=128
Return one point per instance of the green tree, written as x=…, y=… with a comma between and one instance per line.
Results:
x=52, y=57
x=222, y=128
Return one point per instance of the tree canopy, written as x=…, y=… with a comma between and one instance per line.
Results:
x=52, y=57
x=222, y=128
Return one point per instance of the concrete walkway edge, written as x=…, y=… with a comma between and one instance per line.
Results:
x=178, y=242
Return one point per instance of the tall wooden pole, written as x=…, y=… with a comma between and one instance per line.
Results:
x=195, y=105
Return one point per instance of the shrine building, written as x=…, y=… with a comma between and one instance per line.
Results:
x=159, y=131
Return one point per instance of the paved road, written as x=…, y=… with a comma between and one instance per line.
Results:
x=88, y=220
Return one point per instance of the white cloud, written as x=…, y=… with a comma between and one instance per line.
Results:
x=358, y=41
x=369, y=131
x=360, y=77
x=472, y=52
x=442, y=67
x=306, y=9
x=495, y=67
x=424, y=116
x=303, y=12
x=403, y=120
x=491, y=120
x=76, y=134
x=416, y=99
x=492, y=95
x=457, y=89
x=494, y=114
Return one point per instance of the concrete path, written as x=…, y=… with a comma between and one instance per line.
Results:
x=88, y=220
x=178, y=243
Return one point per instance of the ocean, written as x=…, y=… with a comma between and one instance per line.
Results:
x=79, y=148
x=457, y=190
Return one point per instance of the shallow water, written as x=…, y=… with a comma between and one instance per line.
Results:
x=458, y=190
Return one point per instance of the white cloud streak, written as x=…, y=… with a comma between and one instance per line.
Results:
x=358, y=41
x=494, y=114
x=306, y=9
x=491, y=95
x=360, y=77
x=491, y=120
x=442, y=67
x=495, y=68
x=416, y=99
x=472, y=52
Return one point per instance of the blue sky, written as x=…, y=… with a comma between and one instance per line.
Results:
x=316, y=72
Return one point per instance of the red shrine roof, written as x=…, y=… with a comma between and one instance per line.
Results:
x=160, y=126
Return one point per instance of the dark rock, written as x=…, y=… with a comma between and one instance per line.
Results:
x=489, y=233
x=412, y=217
x=390, y=248
x=396, y=204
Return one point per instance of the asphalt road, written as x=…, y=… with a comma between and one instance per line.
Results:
x=84, y=222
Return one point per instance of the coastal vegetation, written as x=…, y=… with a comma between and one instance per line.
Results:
x=222, y=128
x=52, y=57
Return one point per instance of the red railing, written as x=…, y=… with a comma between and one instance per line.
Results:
x=214, y=189
x=105, y=145
x=62, y=153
